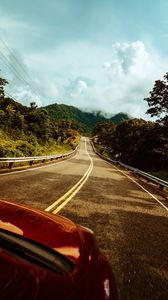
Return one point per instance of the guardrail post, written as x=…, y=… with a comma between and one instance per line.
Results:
x=160, y=187
x=10, y=165
x=30, y=162
x=11, y=160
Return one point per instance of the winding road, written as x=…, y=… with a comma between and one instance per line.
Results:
x=128, y=215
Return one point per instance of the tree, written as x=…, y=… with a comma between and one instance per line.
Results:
x=37, y=123
x=9, y=114
x=158, y=100
x=135, y=142
x=103, y=135
x=3, y=82
x=33, y=105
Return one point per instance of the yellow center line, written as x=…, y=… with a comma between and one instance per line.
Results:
x=73, y=194
x=73, y=191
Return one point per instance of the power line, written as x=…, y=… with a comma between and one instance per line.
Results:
x=28, y=81
x=7, y=62
x=12, y=68
x=11, y=52
x=10, y=96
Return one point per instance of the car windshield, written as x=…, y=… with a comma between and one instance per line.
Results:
x=35, y=252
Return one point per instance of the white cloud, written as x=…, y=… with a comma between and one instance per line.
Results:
x=107, y=65
x=79, y=89
x=38, y=92
x=76, y=60
x=94, y=77
x=17, y=32
x=123, y=82
x=131, y=75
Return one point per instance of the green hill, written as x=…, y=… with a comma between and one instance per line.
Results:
x=85, y=120
x=16, y=106
x=28, y=131
x=118, y=118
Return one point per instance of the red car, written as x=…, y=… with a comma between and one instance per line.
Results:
x=43, y=256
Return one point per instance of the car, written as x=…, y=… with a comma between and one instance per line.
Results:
x=46, y=256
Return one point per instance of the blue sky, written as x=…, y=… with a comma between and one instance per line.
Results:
x=97, y=55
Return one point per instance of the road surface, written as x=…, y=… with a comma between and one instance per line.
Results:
x=130, y=224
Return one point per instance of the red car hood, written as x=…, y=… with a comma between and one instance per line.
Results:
x=53, y=231
x=21, y=280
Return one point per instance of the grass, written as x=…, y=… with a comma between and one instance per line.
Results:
x=58, y=149
x=26, y=147
x=160, y=174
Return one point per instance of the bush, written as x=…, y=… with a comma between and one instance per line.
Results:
x=25, y=148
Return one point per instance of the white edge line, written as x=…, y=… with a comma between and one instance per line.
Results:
x=139, y=185
x=40, y=167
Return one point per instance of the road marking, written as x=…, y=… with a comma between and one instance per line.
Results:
x=40, y=167
x=55, y=207
x=139, y=185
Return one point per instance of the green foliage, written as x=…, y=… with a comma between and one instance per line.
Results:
x=3, y=82
x=160, y=174
x=83, y=120
x=104, y=135
x=27, y=131
x=139, y=143
x=158, y=100
x=118, y=118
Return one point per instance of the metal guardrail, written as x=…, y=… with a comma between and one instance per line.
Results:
x=31, y=159
x=162, y=183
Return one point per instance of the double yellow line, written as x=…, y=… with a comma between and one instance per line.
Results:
x=62, y=201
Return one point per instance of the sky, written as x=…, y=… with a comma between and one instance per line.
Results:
x=93, y=54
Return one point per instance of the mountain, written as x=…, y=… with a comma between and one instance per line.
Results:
x=118, y=118
x=85, y=120
x=16, y=106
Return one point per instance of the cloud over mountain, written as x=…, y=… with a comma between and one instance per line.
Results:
x=91, y=54
x=117, y=84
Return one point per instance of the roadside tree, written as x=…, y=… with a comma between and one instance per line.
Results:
x=158, y=100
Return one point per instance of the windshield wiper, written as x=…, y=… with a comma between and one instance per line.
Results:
x=35, y=252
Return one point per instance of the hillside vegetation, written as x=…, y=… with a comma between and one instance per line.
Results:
x=27, y=131
x=85, y=121
x=136, y=142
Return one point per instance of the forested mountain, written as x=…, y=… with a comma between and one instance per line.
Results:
x=27, y=131
x=118, y=118
x=34, y=131
x=85, y=120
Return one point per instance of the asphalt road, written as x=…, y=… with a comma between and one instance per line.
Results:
x=130, y=224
